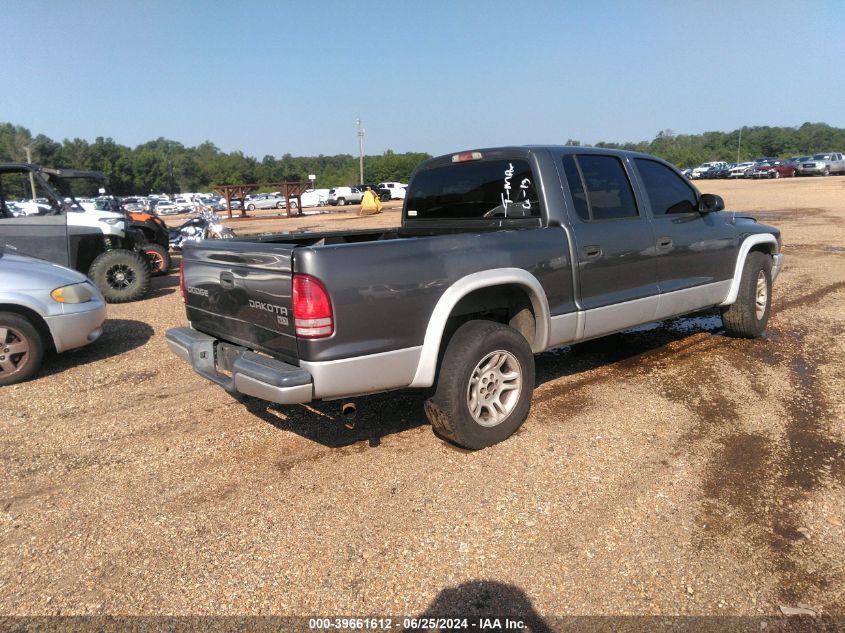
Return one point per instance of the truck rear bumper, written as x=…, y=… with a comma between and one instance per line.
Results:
x=251, y=373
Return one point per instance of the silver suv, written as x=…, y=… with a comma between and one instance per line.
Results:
x=823, y=164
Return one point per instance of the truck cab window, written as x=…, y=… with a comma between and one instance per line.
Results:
x=667, y=191
x=600, y=183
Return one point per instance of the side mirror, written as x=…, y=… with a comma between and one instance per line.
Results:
x=710, y=203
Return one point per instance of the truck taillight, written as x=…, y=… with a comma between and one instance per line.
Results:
x=182, y=280
x=312, y=309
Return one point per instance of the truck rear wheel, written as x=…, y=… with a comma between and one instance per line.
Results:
x=21, y=349
x=121, y=275
x=484, y=388
x=748, y=315
x=341, y=202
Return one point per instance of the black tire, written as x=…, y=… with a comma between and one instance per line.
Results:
x=158, y=259
x=341, y=202
x=294, y=204
x=826, y=171
x=121, y=275
x=280, y=205
x=385, y=197
x=250, y=207
x=748, y=315
x=505, y=353
x=21, y=349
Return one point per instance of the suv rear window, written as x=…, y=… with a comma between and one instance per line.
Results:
x=474, y=190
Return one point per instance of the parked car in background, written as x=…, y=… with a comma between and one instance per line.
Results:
x=32, y=207
x=741, y=170
x=44, y=306
x=699, y=171
x=822, y=164
x=165, y=207
x=765, y=159
x=774, y=169
x=183, y=204
x=794, y=160
x=396, y=189
x=687, y=172
x=341, y=196
x=712, y=172
x=722, y=172
x=264, y=201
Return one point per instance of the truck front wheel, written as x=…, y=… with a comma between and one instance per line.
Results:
x=121, y=275
x=484, y=388
x=748, y=315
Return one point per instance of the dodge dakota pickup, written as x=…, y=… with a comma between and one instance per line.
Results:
x=501, y=254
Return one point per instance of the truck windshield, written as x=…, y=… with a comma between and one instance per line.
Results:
x=482, y=189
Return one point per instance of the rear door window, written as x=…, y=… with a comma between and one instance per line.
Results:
x=600, y=188
x=474, y=190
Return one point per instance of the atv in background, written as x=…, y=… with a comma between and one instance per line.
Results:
x=98, y=243
x=149, y=233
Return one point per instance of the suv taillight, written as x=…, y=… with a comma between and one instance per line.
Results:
x=182, y=280
x=312, y=308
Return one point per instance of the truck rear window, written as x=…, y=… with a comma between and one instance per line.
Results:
x=483, y=189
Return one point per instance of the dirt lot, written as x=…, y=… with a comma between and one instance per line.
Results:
x=670, y=470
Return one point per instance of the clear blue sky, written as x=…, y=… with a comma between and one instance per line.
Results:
x=435, y=76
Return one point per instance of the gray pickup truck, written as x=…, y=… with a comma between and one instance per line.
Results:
x=501, y=254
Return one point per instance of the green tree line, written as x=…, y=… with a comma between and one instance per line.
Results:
x=689, y=150
x=165, y=166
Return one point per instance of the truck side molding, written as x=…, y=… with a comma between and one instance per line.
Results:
x=427, y=366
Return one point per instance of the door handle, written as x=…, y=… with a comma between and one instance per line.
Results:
x=664, y=242
x=592, y=251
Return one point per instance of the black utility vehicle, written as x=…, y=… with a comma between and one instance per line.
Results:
x=502, y=253
x=98, y=243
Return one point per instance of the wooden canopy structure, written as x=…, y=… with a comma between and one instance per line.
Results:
x=288, y=189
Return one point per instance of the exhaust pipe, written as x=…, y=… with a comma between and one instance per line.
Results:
x=349, y=412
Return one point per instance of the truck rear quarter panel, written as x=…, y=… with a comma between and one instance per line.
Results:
x=384, y=292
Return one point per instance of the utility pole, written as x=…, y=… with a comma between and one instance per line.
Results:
x=28, y=151
x=360, y=151
x=739, y=144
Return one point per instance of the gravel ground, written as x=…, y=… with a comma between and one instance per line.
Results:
x=670, y=470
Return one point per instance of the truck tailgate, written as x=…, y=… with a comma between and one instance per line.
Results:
x=241, y=292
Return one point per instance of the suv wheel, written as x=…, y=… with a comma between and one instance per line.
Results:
x=250, y=207
x=341, y=202
x=21, y=349
x=121, y=275
x=484, y=387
